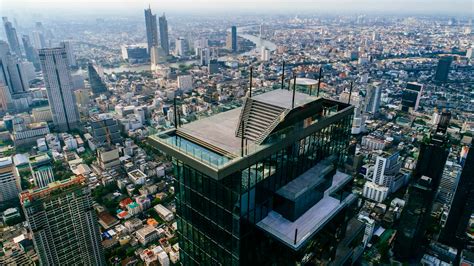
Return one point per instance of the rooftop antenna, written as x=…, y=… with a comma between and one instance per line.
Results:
x=250, y=89
x=350, y=94
x=319, y=80
x=294, y=91
x=175, y=114
x=283, y=76
x=242, y=138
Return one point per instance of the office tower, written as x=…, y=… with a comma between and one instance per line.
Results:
x=413, y=220
x=182, y=47
x=4, y=48
x=442, y=70
x=30, y=51
x=63, y=223
x=105, y=130
x=421, y=195
x=164, y=40
x=41, y=169
x=71, y=58
x=12, y=37
x=462, y=207
x=13, y=75
x=151, y=29
x=38, y=40
x=9, y=180
x=58, y=81
x=373, y=99
x=135, y=54
x=259, y=185
x=231, y=41
x=411, y=96
x=96, y=80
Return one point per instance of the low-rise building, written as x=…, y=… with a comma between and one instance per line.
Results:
x=146, y=235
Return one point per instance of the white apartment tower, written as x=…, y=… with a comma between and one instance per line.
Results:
x=58, y=81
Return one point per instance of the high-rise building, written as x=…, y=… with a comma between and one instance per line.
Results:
x=422, y=194
x=38, y=40
x=164, y=40
x=373, y=99
x=41, y=168
x=462, y=206
x=4, y=48
x=442, y=70
x=71, y=58
x=9, y=180
x=58, y=81
x=151, y=29
x=30, y=51
x=105, y=131
x=411, y=96
x=12, y=37
x=63, y=223
x=13, y=74
x=232, y=39
x=259, y=184
x=96, y=80
x=182, y=47
x=385, y=178
x=413, y=221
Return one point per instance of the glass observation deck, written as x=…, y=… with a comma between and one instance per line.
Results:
x=195, y=150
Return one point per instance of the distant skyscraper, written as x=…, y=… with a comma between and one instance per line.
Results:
x=30, y=51
x=411, y=96
x=13, y=74
x=9, y=180
x=63, y=223
x=165, y=44
x=232, y=39
x=4, y=48
x=38, y=40
x=42, y=170
x=372, y=99
x=12, y=37
x=96, y=80
x=151, y=29
x=58, y=81
x=182, y=47
x=71, y=58
x=462, y=207
x=442, y=70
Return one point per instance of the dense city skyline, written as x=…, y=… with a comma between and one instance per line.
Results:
x=236, y=132
x=127, y=7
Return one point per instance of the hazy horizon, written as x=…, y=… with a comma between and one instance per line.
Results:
x=132, y=7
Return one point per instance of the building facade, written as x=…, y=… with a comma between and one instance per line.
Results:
x=9, y=180
x=259, y=184
x=58, y=81
x=63, y=223
x=164, y=39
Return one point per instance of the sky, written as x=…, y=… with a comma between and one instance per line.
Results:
x=451, y=7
